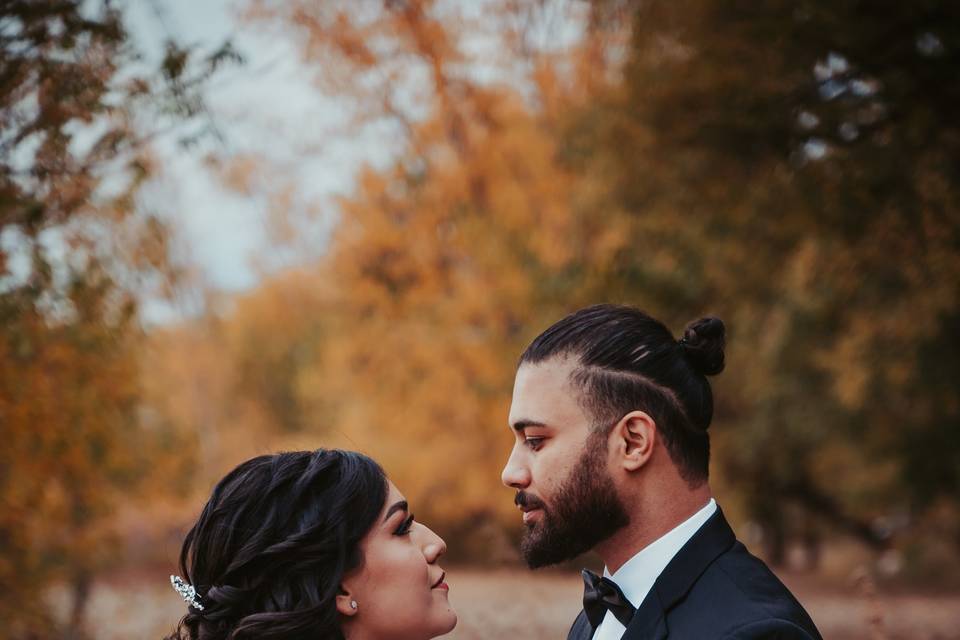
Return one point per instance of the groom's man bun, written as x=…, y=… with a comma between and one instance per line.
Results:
x=629, y=361
x=703, y=342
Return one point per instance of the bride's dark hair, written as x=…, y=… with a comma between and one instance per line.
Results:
x=273, y=543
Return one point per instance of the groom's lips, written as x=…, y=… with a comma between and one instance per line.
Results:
x=529, y=512
x=528, y=504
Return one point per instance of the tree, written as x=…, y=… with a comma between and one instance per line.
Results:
x=805, y=154
x=764, y=163
x=77, y=254
x=441, y=261
x=68, y=396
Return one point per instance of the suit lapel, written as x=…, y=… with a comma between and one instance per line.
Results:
x=649, y=622
x=711, y=540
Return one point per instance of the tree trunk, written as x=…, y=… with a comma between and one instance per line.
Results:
x=826, y=507
x=812, y=546
x=770, y=518
x=80, y=586
x=775, y=542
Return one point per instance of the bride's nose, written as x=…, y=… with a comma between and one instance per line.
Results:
x=433, y=546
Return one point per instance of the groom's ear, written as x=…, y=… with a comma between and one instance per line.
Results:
x=635, y=436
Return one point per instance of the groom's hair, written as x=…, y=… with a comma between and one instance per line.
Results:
x=270, y=549
x=628, y=360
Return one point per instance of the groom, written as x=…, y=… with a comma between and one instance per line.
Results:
x=610, y=415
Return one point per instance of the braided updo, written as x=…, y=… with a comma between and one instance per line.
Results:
x=273, y=543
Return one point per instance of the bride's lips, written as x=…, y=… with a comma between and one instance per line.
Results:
x=440, y=584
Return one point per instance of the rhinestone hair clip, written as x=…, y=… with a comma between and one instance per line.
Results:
x=186, y=591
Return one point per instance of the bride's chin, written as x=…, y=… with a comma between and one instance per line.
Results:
x=453, y=623
x=450, y=623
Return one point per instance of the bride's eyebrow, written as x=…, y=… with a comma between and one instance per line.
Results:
x=397, y=506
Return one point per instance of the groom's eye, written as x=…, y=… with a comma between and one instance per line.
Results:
x=533, y=442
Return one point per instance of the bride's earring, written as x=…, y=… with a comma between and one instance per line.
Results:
x=346, y=605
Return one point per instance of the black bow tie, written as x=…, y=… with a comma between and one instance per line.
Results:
x=601, y=595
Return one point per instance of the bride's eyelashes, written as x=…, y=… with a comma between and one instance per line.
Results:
x=404, y=527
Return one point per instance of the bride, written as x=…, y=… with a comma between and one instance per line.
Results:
x=311, y=544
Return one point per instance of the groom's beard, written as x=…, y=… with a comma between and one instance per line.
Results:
x=585, y=511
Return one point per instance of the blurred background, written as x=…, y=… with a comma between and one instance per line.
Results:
x=231, y=227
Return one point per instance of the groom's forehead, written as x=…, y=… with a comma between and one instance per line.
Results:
x=541, y=381
x=543, y=392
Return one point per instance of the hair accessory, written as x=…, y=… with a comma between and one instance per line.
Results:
x=186, y=591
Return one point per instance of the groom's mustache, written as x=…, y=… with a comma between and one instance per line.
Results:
x=527, y=501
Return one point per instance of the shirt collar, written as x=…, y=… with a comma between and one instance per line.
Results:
x=637, y=575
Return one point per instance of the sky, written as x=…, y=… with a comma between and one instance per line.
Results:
x=270, y=109
x=266, y=107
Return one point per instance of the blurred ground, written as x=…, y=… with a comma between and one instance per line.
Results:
x=539, y=606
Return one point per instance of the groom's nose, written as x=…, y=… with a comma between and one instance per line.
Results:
x=515, y=474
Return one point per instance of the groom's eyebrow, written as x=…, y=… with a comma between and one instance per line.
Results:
x=397, y=506
x=522, y=424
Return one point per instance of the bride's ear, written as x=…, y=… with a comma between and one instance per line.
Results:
x=346, y=605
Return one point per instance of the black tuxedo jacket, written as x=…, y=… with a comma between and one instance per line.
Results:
x=714, y=589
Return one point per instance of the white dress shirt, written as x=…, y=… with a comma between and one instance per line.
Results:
x=637, y=575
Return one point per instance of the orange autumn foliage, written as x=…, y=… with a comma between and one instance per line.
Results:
x=440, y=264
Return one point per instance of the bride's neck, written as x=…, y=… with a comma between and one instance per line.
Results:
x=352, y=632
